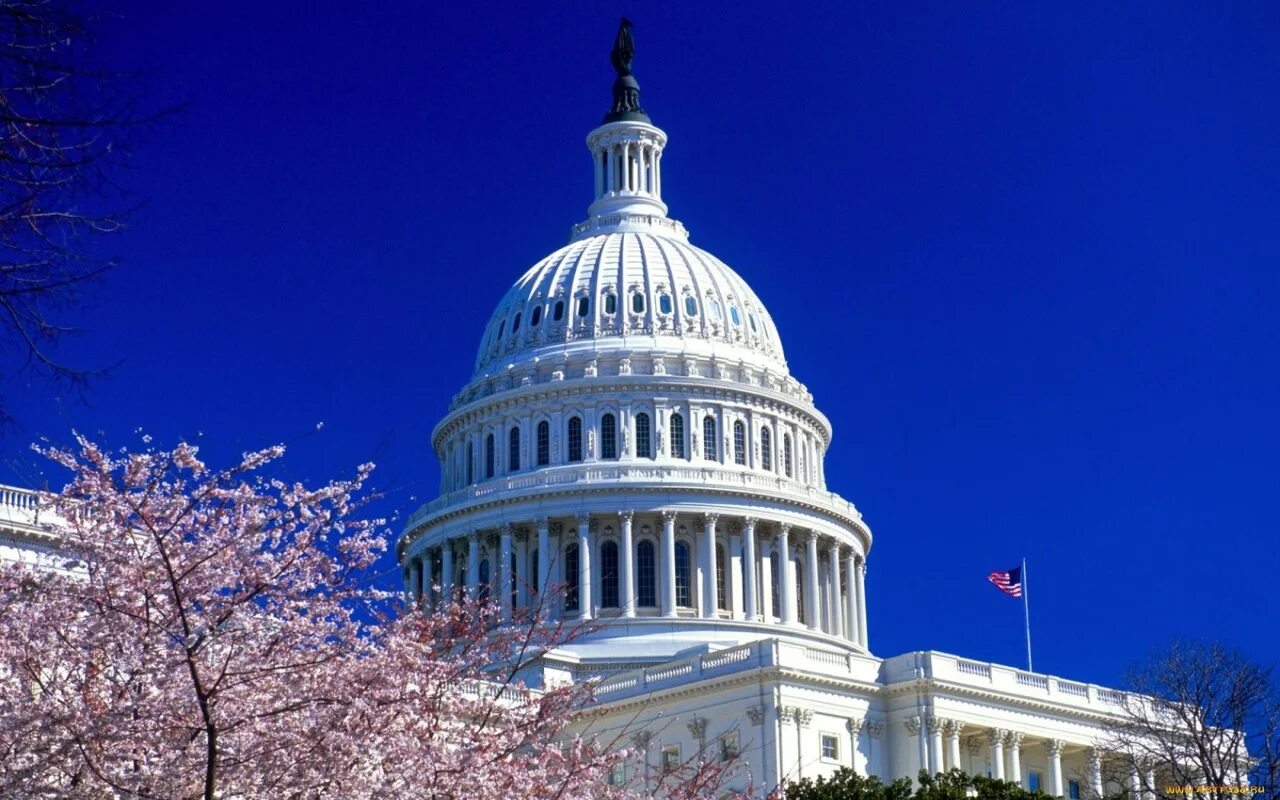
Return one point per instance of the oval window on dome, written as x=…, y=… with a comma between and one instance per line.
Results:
x=691, y=306
x=637, y=303
x=610, y=303
x=584, y=305
x=752, y=319
x=515, y=323
x=558, y=313
x=715, y=309
x=733, y=315
x=664, y=303
x=535, y=317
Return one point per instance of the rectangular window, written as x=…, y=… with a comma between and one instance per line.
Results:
x=729, y=746
x=575, y=439
x=544, y=443
x=671, y=758
x=830, y=747
x=618, y=775
x=1073, y=790
x=643, y=442
x=1033, y=781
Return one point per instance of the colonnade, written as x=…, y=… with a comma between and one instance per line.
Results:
x=656, y=563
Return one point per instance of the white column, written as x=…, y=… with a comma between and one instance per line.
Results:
x=657, y=173
x=599, y=173
x=787, y=574
x=860, y=587
x=545, y=558
x=524, y=583
x=833, y=595
x=934, y=726
x=851, y=595
x=749, y=566
x=812, y=608
x=996, y=737
x=504, y=571
x=1014, y=772
x=446, y=572
x=1149, y=790
x=733, y=575
x=473, y=565
x=1135, y=783
x=953, y=728
x=668, y=571
x=766, y=580
x=611, y=170
x=1054, y=746
x=707, y=565
x=1095, y=772
x=584, y=566
x=626, y=576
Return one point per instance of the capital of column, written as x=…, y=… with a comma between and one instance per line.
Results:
x=668, y=516
x=505, y=529
x=698, y=727
x=749, y=524
x=996, y=736
x=811, y=536
x=933, y=724
x=1055, y=747
x=784, y=528
x=1013, y=738
x=952, y=727
x=544, y=524
x=854, y=724
x=710, y=519
x=913, y=725
x=626, y=516
x=874, y=728
x=582, y=519
x=1094, y=755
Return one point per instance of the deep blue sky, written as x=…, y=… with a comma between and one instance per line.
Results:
x=1025, y=255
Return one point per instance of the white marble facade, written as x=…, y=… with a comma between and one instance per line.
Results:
x=631, y=414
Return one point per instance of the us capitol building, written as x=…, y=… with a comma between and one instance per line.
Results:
x=632, y=432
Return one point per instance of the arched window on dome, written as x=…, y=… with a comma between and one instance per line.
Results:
x=690, y=306
x=786, y=454
x=739, y=443
x=535, y=316
x=488, y=456
x=609, y=575
x=557, y=313
x=571, y=578
x=501, y=327
x=664, y=303
x=610, y=303
x=637, y=303
x=766, y=449
x=644, y=440
x=575, y=439
x=715, y=309
x=646, y=575
x=733, y=315
x=544, y=443
x=684, y=592
x=709, y=438
x=752, y=319
x=584, y=305
x=721, y=602
x=515, y=323
x=513, y=450
x=677, y=436
x=608, y=437
x=485, y=586
x=471, y=463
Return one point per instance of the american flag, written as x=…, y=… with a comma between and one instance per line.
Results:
x=1008, y=582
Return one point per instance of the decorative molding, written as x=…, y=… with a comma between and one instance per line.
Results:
x=913, y=725
x=996, y=736
x=698, y=728
x=854, y=724
x=641, y=739
x=1054, y=746
x=874, y=728
x=1013, y=739
x=756, y=715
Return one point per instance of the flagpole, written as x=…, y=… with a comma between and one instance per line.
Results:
x=1026, y=612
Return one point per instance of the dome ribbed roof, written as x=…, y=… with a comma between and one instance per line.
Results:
x=639, y=292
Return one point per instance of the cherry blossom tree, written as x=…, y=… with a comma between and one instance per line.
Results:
x=217, y=634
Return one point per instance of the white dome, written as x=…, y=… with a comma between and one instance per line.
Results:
x=647, y=291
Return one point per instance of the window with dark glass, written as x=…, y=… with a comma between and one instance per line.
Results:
x=684, y=596
x=544, y=443
x=830, y=747
x=637, y=303
x=515, y=323
x=515, y=601
x=557, y=313
x=739, y=443
x=752, y=319
x=709, y=438
x=786, y=454
x=646, y=575
x=484, y=579
x=733, y=314
x=584, y=305
x=664, y=303
x=501, y=327
x=1073, y=790
x=571, y=578
x=471, y=463
x=766, y=450
x=690, y=306
x=513, y=450
x=720, y=593
x=677, y=436
x=608, y=436
x=609, y=575
x=533, y=572
x=610, y=303
x=797, y=577
x=644, y=445
x=535, y=317
x=488, y=456
x=575, y=439
x=773, y=583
